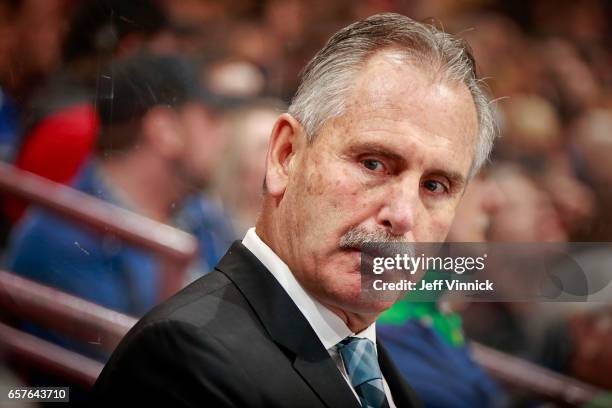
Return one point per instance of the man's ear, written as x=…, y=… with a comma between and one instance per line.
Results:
x=161, y=129
x=286, y=138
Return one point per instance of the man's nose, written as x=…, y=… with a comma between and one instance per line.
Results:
x=398, y=214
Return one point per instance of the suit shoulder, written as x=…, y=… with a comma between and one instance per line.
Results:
x=196, y=303
x=168, y=363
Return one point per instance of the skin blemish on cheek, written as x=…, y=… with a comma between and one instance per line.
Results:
x=315, y=185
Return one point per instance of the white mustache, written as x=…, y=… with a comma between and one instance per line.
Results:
x=357, y=238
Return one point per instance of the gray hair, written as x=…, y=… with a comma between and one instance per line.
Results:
x=328, y=77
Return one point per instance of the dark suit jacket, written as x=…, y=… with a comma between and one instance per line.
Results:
x=233, y=338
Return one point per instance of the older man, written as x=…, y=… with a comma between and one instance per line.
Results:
x=386, y=128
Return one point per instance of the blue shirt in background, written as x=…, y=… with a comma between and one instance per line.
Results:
x=443, y=375
x=100, y=267
x=8, y=127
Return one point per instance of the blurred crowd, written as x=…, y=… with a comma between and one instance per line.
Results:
x=164, y=108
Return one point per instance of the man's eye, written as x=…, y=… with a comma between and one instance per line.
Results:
x=373, y=165
x=435, y=186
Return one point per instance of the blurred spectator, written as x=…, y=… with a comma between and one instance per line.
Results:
x=531, y=125
x=481, y=201
x=31, y=33
x=577, y=88
x=574, y=200
x=576, y=342
x=159, y=144
x=199, y=26
x=27, y=56
x=426, y=339
x=62, y=125
x=591, y=144
x=590, y=357
x=236, y=78
x=240, y=177
x=526, y=216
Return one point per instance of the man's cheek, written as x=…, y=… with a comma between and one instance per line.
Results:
x=348, y=198
x=315, y=183
x=441, y=225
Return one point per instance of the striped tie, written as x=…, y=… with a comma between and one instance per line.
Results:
x=361, y=365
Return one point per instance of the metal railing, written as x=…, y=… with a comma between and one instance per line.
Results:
x=175, y=248
x=532, y=378
x=86, y=321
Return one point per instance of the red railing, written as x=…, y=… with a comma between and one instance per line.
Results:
x=63, y=313
x=175, y=248
x=86, y=321
x=532, y=378
x=90, y=322
x=67, y=314
x=65, y=364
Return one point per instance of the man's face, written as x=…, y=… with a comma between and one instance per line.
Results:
x=393, y=166
x=204, y=141
x=527, y=214
x=482, y=200
x=39, y=48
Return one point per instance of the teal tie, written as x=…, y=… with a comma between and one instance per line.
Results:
x=362, y=367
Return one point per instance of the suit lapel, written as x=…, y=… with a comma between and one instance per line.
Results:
x=287, y=326
x=403, y=394
x=332, y=389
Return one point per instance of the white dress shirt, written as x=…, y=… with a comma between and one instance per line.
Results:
x=328, y=326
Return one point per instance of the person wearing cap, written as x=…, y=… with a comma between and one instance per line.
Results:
x=60, y=125
x=160, y=140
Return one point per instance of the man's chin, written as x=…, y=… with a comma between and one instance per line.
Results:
x=372, y=307
x=363, y=304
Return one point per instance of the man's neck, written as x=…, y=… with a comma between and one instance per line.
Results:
x=146, y=182
x=356, y=322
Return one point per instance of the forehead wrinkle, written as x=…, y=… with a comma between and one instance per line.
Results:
x=394, y=95
x=403, y=106
x=401, y=129
x=404, y=82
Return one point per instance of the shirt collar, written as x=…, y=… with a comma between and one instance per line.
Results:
x=328, y=327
